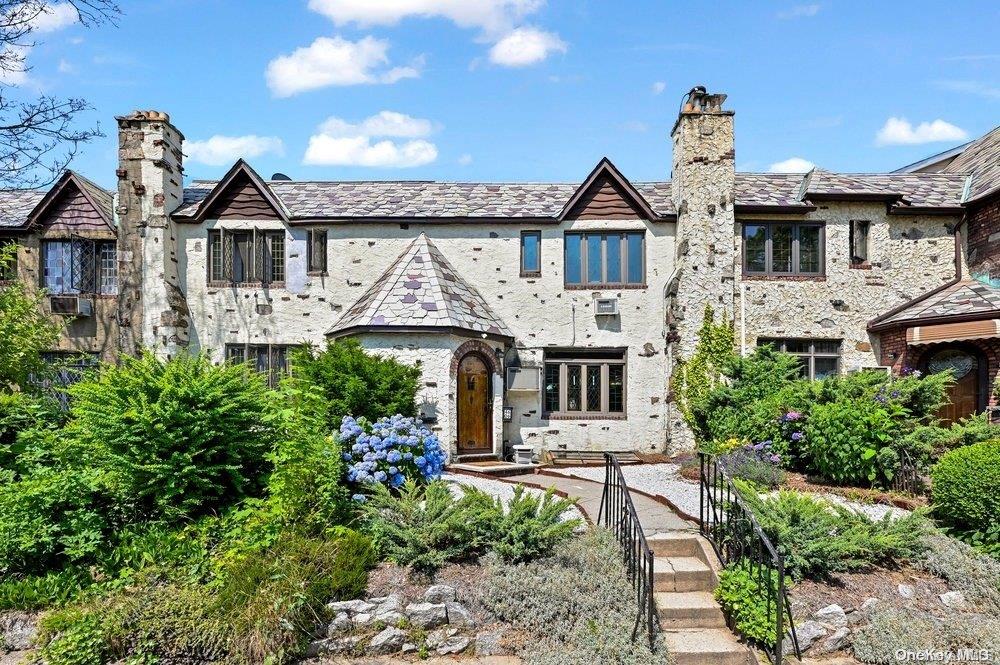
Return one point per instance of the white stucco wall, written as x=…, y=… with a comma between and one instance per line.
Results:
x=541, y=312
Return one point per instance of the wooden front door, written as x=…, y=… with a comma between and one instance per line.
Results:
x=475, y=434
x=964, y=394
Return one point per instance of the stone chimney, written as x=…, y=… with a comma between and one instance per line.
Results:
x=152, y=310
x=703, y=184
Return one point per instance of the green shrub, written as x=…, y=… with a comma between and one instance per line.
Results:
x=530, y=527
x=743, y=592
x=843, y=439
x=175, y=438
x=816, y=537
x=355, y=383
x=975, y=575
x=966, y=487
x=892, y=629
x=20, y=412
x=50, y=589
x=73, y=636
x=695, y=377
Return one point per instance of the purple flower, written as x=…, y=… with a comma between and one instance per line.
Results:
x=797, y=436
x=775, y=458
x=792, y=416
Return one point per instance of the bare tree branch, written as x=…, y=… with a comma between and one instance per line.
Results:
x=38, y=135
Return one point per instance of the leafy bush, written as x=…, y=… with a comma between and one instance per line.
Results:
x=390, y=451
x=72, y=637
x=817, y=538
x=529, y=528
x=697, y=376
x=577, y=605
x=755, y=463
x=743, y=593
x=843, y=439
x=51, y=589
x=966, y=487
x=178, y=437
x=21, y=412
x=355, y=383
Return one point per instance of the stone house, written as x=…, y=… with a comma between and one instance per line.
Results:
x=545, y=314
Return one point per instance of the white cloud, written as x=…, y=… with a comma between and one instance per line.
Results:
x=55, y=17
x=221, y=150
x=800, y=11
x=15, y=73
x=341, y=143
x=335, y=61
x=526, y=46
x=491, y=16
x=465, y=159
x=791, y=165
x=65, y=67
x=899, y=131
x=635, y=126
x=978, y=88
x=658, y=87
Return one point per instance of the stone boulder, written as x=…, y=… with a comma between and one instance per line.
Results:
x=456, y=644
x=427, y=615
x=440, y=593
x=351, y=607
x=17, y=631
x=458, y=615
x=390, y=640
x=831, y=615
x=341, y=624
x=953, y=600
x=807, y=632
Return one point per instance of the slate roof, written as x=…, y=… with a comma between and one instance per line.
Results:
x=421, y=289
x=16, y=205
x=961, y=298
x=981, y=160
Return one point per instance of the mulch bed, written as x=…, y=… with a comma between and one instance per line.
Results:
x=798, y=481
x=850, y=590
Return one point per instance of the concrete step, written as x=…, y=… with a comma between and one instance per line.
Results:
x=679, y=543
x=682, y=573
x=691, y=609
x=709, y=646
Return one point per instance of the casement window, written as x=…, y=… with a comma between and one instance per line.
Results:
x=80, y=265
x=531, y=253
x=8, y=269
x=859, y=239
x=585, y=383
x=782, y=249
x=247, y=256
x=605, y=259
x=269, y=359
x=818, y=358
x=316, y=251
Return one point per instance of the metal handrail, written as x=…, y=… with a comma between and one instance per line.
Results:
x=617, y=513
x=735, y=535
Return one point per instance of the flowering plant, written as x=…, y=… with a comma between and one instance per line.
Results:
x=390, y=451
x=755, y=462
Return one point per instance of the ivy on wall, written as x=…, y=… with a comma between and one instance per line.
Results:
x=695, y=377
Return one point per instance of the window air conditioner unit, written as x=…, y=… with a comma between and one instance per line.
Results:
x=606, y=306
x=71, y=305
x=871, y=368
x=524, y=379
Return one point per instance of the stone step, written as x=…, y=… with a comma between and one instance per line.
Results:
x=682, y=573
x=679, y=543
x=709, y=646
x=691, y=609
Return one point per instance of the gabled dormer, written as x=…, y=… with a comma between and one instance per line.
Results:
x=240, y=194
x=607, y=194
x=73, y=205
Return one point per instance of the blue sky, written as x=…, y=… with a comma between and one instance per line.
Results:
x=526, y=89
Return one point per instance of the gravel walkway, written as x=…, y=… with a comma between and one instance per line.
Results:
x=662, y=479
x=500, y=489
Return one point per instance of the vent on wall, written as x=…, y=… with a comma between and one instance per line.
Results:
x=606, y=306
x=71, y=305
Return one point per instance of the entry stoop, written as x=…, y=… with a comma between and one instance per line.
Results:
x=694, y=628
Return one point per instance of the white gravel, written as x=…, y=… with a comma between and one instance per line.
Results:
x=662, y=479
x=500, y=489
x=875, y=511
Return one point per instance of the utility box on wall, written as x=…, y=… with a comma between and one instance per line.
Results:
x=524, y=379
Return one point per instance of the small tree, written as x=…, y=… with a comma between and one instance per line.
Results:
x=25, y=331
x=358, y=384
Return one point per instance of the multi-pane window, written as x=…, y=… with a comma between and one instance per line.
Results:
x=859, y=241
x=316, y=250
x=269, y=359
x=605, y=259
x=818, y=358
x=79, y=265
x=531, y=253
x=8, y=267
x=780, y=248
x=587, y=382
x=246, y=256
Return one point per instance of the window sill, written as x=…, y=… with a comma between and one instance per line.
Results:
x=861, y=266
x=584, y=416
x=783, y=278
x=531, y=275
x=316, y=273
x=603, y=287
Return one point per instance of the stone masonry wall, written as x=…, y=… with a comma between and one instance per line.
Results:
x=983, y=233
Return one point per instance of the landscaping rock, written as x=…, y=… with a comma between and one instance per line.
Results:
x=17, y=631
x=390, y=618
x=391, y=603
x=362, y=620
x=906, y=590
x=454, y=645
x=488, y=643
x=340, y=645
x=440, y=593
x=869, y=604
x=458, y=615
x=350, y=606
x=340, y=624
x=390, y=640
x=427, y=615
x=953, y=600
x=437, y=637
x=808, y=632
x=15, y=657
x=835, y=642
x=409, y=647
x=831, y=615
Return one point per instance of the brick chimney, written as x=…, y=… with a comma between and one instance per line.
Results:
x=703, y=184
x=152, y=310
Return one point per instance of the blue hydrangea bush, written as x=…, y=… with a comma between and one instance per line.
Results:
x=390, y=451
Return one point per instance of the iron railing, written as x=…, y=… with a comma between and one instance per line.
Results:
x=738, y=539
x=617, y=513
x=907, y=478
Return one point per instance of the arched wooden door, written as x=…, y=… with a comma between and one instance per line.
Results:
x=475, y=412
x=966, y=395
